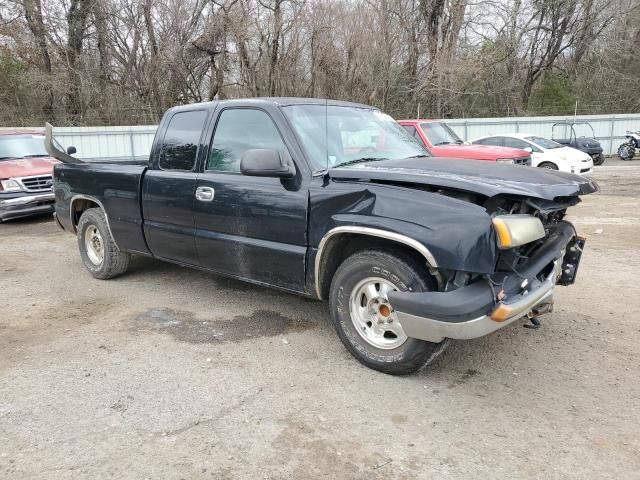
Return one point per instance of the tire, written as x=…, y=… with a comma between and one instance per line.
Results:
x=99, y=253
x=626, y=152
x=548, y=166
x=598, y=159
x=386, y=269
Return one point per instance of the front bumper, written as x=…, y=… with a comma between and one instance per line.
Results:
x=474, y=311
x=26, y=205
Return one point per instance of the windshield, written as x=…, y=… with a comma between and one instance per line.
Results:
x=21, y=146
x=544, y=142
x=334, y=135
x=439, y=133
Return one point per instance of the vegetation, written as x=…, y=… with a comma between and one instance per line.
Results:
x=102, y=62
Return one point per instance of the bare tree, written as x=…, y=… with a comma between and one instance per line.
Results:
x=127, y=61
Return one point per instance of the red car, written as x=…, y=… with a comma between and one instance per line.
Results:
x=26, y=174
x=442, y=141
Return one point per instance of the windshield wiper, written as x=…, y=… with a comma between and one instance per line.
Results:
x=443, y=143
x=8, y=158
x=360, y=160
x=33, y=155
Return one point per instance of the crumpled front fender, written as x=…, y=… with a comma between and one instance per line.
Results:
x=457, y=234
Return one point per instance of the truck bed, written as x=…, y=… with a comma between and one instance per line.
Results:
x=115, y=185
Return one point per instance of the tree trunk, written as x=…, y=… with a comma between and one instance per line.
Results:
x=33, y=15
x=100, y=19
x=154, y=86
x=76, y=24
x=273, y=62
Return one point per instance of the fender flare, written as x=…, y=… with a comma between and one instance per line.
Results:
x=96, y=201
x=373, y=232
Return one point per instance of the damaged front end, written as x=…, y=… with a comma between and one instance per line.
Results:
x=498, y=237
x=530, y=262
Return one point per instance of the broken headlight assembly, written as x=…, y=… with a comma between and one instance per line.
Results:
x=515, y=230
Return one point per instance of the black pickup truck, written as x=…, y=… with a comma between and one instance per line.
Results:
x=335, y=201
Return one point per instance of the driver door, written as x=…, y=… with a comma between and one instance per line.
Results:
x=253, y=228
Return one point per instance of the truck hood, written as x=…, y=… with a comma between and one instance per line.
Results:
x=26, y=167
x=488, y=179
x=477, y=152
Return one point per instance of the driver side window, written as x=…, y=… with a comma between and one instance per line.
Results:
x=239, y=130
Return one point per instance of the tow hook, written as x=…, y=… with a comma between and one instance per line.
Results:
x=535, y=324
x=533, y=315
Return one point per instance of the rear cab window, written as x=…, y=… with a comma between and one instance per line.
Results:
x=181, y=140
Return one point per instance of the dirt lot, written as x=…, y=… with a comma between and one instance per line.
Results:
x=172, y=373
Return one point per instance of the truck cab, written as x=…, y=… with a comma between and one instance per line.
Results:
x=441, y=141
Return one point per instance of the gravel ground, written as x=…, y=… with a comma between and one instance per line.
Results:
x=172, y=373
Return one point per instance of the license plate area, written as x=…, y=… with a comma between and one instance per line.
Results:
x=571, y=261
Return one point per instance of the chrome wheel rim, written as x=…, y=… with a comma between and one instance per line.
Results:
x=94, y=245
x=372, y=315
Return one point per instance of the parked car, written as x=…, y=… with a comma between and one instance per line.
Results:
x=441, y=141
x=581, y=136
x=334, y=201
x=26, y=174
x=545, y=153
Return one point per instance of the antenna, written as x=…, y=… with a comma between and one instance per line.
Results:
x=326, y=130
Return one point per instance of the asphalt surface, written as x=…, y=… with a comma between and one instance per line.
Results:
x=169, y=373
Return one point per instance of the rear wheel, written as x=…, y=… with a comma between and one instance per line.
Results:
x=548, y=166
x=99, y=253
x=364, y=319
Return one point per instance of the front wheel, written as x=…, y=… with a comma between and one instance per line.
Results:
x=364, y=319
x=99, y=253
x=548, y=166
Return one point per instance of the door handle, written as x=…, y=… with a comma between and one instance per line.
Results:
x=205, y=194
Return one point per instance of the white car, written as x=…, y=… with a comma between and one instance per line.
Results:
x=545, y=153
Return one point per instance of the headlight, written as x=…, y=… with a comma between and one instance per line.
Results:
x=504, y=160
x=10, y=186
x=515, y=230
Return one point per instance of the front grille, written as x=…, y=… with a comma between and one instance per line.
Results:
x=522, y=161
x=40, y=183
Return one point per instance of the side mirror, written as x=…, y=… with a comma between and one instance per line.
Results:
x=262, y=162
x=528, y=149
x=71, y=150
